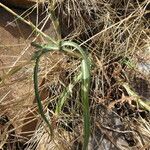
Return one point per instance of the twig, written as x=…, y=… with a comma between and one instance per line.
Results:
x=28, y=23
x=137, y=98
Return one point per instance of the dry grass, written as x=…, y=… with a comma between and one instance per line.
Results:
x=115, y=34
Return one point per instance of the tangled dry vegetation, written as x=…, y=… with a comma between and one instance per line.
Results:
x=115, y=36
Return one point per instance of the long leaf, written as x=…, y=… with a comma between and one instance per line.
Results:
x=85, y=69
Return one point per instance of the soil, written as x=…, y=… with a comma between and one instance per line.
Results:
x=16, y=94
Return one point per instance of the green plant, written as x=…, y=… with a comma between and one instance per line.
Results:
x=114, y=32
x=84, y=76
x=60, y=45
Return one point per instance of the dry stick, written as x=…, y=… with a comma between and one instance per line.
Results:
x=21, y=54
x=54, y=19
x=138, y=99
x=133, y=14
x=28, y=23
x=39, y=31
x=17, y=68
x=13, y=71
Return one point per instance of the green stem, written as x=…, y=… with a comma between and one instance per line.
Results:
x=85, y=69
x=37, y=96
x=66, y=92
